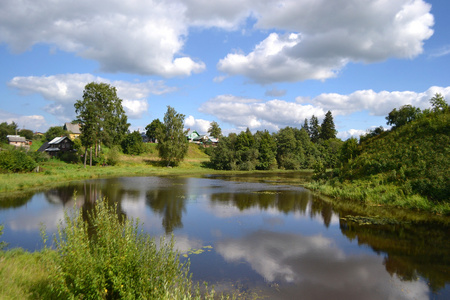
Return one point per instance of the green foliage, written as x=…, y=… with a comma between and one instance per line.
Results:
x=438, y=103
x=101, y=115
x=28, y=134
x=152, y=129
x=314, y=129
x=349, y=150
x=55, y=131
x=132, y=144
x=102, y=257
x=405, y=114
x=16, y=161
x=2, y=244
x=415, y=157
x=267, y=151
x=7, y=129
x=39, y=157
x=327, y=129
x=172, y=142
x=214, y=130
x=70, y=157
x=113, y=156
x=223, y=157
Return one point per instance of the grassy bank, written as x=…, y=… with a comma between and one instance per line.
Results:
x=377, y=193
x=55, y=172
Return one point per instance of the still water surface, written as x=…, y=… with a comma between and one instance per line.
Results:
x=258, y=236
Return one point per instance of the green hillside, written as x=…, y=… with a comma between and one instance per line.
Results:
x=414, y=157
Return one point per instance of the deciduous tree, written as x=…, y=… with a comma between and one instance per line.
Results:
x=214, y=130
x=101, y=115
x=172, y=142
x=152, y=129
x=403, y=115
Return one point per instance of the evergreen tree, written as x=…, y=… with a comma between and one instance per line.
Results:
x=306, y=127
x=172, y=142
x=327, y=129
x=314, y=129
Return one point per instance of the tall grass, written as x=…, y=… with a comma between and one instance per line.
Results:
x=101, y=257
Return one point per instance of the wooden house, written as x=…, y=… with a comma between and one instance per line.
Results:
x=58, y=145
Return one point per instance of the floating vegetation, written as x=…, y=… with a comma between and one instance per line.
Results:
x=267, y=192
x=198, y=251
x=376, y=220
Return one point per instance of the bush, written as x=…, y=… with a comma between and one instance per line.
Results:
x=16, y=161
x=113, y=155
x=100, y=257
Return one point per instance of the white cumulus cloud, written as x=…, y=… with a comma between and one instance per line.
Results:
x=140, y=36
x=257, y=115
x=324, y=35
x=200, y=125
x=64, y=89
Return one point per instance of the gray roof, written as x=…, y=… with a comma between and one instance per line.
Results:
x=74, y=128
x=16, y=138
x=57, y=140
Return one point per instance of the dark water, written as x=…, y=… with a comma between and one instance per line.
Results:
x=259, y=236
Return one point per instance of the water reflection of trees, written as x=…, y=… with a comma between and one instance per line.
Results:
x=283, y=201
x=170, y=204
x=15, y=202
x=85, y=194
x=411, y=249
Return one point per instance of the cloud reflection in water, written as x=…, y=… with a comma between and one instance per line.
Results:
x=312, y=267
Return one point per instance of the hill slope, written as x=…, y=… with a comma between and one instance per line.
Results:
x=415, y=157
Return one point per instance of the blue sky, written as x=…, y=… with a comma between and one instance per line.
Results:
x=262, y=64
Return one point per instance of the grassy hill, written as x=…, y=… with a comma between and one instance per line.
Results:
x=408, y=166
x=415, y=157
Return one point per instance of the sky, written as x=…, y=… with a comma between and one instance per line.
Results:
x=257, y=64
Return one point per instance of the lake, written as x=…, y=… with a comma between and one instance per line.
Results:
x=258, y=235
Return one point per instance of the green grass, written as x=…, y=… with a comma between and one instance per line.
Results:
x=25, y=275
x=376, y=193
x=98, y=255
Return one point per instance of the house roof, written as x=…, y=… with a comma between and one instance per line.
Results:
x=74, y=128
x=58, y=140
x=43, y=147
x=16, y=138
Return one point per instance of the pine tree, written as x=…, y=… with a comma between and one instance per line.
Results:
x=327, y=129
x=314, y=129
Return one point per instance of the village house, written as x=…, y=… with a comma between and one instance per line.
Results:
x=18, y=141
x=73, y=129
x=57, y=145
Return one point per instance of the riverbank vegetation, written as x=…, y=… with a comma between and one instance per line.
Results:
x=98, y=255
x=406, y=166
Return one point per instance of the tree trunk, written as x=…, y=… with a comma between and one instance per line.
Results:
x=90, y=158
x=85, y=156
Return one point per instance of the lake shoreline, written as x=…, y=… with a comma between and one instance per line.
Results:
x=55, y=173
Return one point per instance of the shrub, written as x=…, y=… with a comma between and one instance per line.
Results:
x=100, y=257
x=16, y=161
x=2, y=244
x=113, y=155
